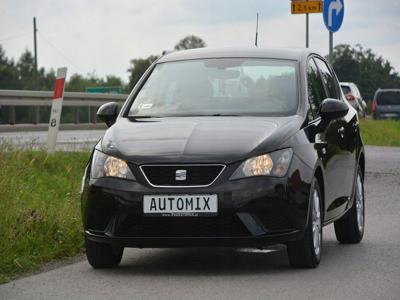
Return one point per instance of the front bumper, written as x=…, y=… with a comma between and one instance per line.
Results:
x=387, y=115
x=254, y=211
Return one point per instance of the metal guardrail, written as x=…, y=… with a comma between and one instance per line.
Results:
x=43, y=98
x=38, y=99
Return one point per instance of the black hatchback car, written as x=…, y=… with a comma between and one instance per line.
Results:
x=226, y=148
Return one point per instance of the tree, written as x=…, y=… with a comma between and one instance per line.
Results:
x=112, y=80
x=190, y=42
x=363, y=67
x=26, y=71
x=8, y=72
x=138, y=67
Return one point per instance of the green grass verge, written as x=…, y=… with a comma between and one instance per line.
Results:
x=40, y=208
x=380, y=132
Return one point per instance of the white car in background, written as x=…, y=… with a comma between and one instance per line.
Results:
x=354, y=97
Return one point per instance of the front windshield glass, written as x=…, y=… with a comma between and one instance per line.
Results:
x=212, y=87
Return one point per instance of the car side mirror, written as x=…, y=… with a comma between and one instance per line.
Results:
x=333, y=109
x=108, y=113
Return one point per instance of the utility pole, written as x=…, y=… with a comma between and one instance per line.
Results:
x=34, y=42
x=256, y=43
x=36, y=110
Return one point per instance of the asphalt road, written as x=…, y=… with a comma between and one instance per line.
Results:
x=370, y=270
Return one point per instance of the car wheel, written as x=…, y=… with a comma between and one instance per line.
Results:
x=101, y=255
x=306, y=253
x=350, y=228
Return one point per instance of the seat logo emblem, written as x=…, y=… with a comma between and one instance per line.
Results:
x=180, y=175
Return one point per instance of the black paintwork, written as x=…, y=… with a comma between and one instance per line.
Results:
x=259, y=210
x=108, y=113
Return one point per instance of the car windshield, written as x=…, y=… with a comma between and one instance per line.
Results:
x=217, y=87
x=389, y=98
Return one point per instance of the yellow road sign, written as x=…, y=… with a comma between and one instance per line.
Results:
x=306, y=7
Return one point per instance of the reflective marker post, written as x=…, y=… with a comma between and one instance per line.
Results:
x=56, y=109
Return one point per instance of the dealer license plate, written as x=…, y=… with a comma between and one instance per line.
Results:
x=180, y=205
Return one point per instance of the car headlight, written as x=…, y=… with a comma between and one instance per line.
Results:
x=273, y=164
x=104, y=165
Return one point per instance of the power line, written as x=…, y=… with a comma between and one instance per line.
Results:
x=15, y=36
x=59, y=51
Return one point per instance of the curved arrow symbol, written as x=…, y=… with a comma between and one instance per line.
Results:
x=336, y=6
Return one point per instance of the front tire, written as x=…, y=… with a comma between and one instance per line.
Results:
x=306, y=253
x=101, y=255
x=350, y=228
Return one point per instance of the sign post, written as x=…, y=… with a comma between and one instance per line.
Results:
x=333, y=19
x=56, y=108
x=307, y=29
x=306, y=7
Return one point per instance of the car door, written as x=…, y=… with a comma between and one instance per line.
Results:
x=335, y=141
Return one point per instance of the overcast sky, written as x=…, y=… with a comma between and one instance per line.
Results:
x=102, y=36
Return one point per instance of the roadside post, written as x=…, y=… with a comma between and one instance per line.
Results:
x=56, y=108
x=306, y=7
x=333, y=19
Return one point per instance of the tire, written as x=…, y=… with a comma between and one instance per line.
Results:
x=306, y=253
x=350, y=228
x=101, y=255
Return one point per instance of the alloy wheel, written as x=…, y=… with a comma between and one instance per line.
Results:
x=316, y=224
x=360, y=204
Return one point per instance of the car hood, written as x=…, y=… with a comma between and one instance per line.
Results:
x=196, y=139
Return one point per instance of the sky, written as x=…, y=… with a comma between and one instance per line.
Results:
x=101, y=37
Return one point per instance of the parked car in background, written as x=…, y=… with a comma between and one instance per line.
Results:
x=386, y=104
x=354, y=97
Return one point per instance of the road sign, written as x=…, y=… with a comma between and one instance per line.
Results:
x=333, y=14
x=105, y=89
x=56, y=107
x=306, y=7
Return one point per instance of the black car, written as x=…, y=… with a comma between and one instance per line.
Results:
x=226, y=148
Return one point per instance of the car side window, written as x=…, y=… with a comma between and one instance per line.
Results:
x=328, y=79
x=316, y=91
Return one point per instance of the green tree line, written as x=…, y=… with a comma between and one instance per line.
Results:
x=365, y=68
x=21, y=74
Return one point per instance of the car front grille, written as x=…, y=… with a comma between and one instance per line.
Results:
x=222, y=226
x=191, y=175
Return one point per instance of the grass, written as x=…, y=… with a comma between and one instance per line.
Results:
x=380, y=132
x=40, y=208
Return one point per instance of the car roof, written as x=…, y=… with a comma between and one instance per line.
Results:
x=346, y=83
x=204, y=53
x=388, y=90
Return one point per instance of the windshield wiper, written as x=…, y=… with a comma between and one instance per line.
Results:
x=143, y=117
x=183, y=116
x=224, y=115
